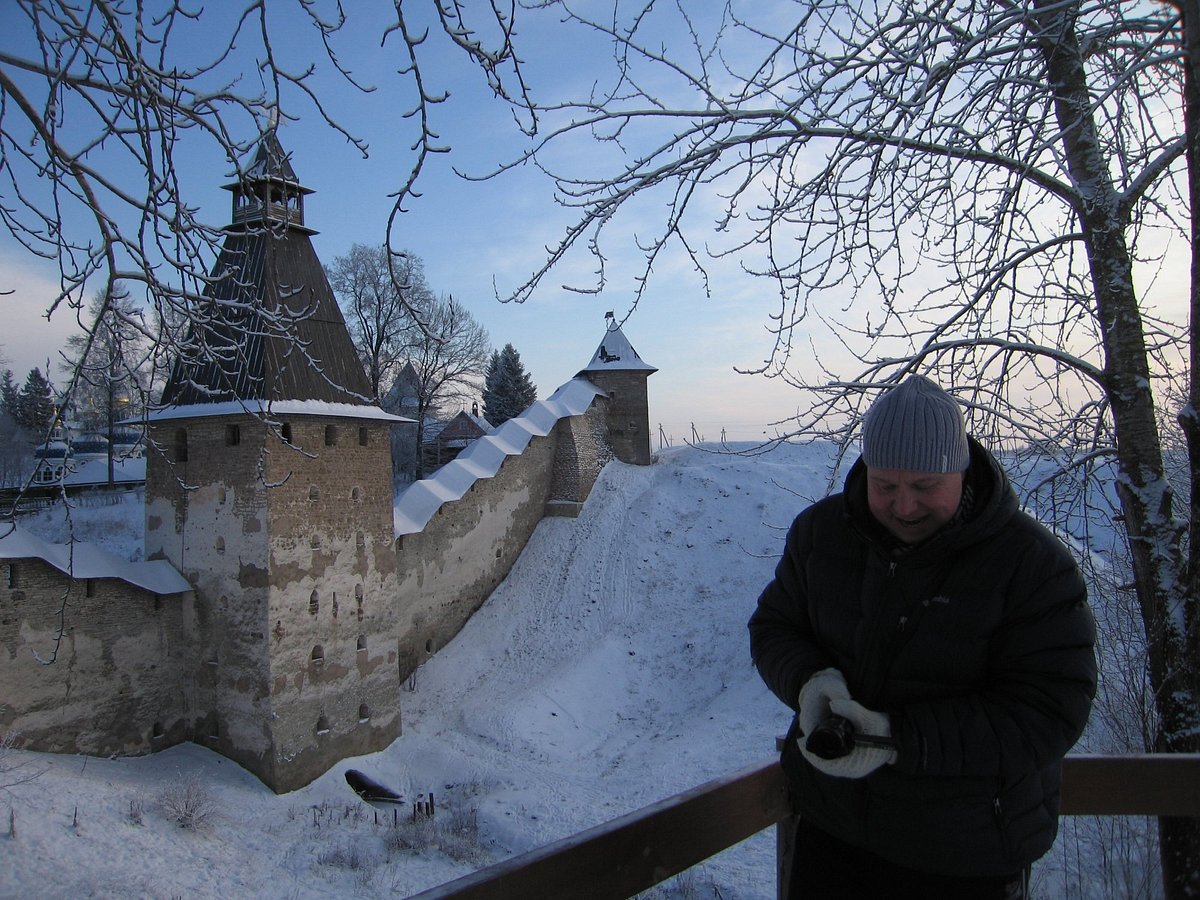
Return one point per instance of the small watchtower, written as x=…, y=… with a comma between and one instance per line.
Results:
x=271, y=492
x=617, y=370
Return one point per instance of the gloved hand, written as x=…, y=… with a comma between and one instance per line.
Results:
x=865, y=721
x=816, y=696
x=862, y=760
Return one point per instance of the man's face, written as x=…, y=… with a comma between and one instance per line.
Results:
x=913, y=505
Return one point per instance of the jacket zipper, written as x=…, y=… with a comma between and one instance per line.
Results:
x=876, y=658
x=998, y=813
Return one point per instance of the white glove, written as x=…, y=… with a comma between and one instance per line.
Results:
x=816, y=696
x=862, y=760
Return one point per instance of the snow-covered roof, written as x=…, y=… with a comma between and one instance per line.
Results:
x=276, y=408
x=480, y=422
x=616, y=354
x=80, y=560
x=95, y=471
x=482, y=459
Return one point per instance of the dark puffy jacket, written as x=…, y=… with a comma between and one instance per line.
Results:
x=979, y=645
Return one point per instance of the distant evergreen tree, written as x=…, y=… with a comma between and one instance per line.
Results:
x=35, y=403
x=9, y=393
x=507, y=389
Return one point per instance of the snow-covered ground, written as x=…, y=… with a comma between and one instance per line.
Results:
x=610, y=670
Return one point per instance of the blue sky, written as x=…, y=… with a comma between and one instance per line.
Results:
x=479, y=238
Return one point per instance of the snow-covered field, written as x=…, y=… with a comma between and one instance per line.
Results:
x=609, y=671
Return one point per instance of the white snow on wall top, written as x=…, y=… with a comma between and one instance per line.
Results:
x=80, y=560
x=483, y=457
x=276, y=408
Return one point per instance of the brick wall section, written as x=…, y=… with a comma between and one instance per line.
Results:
x=206, y=514
x=115, y=685
x=581, y=452
x=334, y=677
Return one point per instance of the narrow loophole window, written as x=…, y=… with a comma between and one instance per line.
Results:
x=314, y=604
x=330, y=435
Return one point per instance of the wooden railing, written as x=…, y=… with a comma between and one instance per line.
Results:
x=637, y=851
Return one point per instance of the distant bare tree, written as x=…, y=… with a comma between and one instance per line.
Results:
x=110, y=369
x=449, y=361
x=378, y=291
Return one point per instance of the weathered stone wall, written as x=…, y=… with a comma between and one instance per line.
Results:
x=448, y=570
x=117, y=682
x=581, y=452
x=206, y=514
x=288, y=539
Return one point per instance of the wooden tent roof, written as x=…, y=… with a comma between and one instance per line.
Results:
x=269, y=327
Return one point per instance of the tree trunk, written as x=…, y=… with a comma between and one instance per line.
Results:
x=1179, y=839
x=1165, y=595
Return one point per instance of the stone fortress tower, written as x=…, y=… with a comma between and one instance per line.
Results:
x=617, y=369
x=270, y=490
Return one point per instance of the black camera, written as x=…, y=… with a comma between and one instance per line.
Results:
x=833, y=738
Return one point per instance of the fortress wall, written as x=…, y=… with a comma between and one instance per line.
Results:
x=136, y=672
x=118, y=683
x=446, y=571
x=206, y=513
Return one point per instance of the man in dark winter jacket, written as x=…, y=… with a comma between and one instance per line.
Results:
x=921, y=606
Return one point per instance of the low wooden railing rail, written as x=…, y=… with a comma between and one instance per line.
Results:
x=633, y=853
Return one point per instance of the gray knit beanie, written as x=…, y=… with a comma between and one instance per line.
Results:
x=916, y=426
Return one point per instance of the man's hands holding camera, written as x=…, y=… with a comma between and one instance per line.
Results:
x=841, y=737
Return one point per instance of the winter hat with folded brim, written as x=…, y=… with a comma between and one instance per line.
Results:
x=916, y=426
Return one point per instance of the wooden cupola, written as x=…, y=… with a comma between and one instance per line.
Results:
x=269, y=193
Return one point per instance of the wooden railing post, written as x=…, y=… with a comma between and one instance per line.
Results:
x=785, y=848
